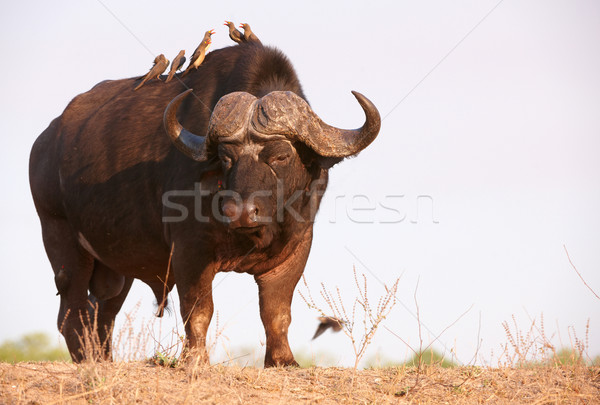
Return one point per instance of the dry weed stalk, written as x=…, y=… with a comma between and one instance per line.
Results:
x=166, y=354
x=127, y=344
x=418, y=353
x=535, y=347
x=95, y=373
x=579, y=274
x=92, y=349
x=360, y=333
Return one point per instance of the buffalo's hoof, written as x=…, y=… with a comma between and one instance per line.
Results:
x=282, y=363
x=195, y=366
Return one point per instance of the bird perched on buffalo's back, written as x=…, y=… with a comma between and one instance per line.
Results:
x=249, y=36
x=234, y=33
x=327, y=322
x=160, y=65
x=200, y=52
x=176, y=65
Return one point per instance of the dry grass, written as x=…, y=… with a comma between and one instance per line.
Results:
x=360, y=330
x=530, y=370
x=138, y=382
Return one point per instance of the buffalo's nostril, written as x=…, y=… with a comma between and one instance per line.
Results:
x=240, y=214
x=230, y=210
x=252, y=211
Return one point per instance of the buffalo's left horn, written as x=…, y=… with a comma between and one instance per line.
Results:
x=285, y=112
x=191, y=144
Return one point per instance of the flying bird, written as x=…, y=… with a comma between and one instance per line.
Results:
x=176, y=65
x=327, y=322
x=249, y=36
x=160, y=65
x=234, y=33
x=200, y=52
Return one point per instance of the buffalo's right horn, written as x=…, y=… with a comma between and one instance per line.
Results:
x=190, y=144
x=283, y=112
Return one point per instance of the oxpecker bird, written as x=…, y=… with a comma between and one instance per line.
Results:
x=176, y=65
x=200, y=52
x=234, y=33
x=327, y=322
x=248, y=34
x=61, y=279
x=160, y=65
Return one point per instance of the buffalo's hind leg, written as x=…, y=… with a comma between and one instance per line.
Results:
x=72, y=267
x=108, y=291
x=86, y=322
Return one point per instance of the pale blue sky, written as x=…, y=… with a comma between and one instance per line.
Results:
x=503, y=135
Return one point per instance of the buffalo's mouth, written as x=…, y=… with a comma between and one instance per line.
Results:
x=249, y=230
x=260, y=235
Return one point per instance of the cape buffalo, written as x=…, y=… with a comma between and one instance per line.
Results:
x=172, y=188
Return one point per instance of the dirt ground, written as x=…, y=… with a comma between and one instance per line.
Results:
x=137, y=382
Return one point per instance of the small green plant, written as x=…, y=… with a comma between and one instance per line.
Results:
x=430, y=357
x=161, y=359
x=426, y=357
x=568, y=356
x=402, y=392
x=319, y=359
x=32, y=347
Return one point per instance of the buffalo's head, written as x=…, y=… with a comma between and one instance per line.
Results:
x=271, y=150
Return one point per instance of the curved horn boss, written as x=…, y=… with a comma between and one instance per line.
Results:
x=283, y=112
x=277, y=113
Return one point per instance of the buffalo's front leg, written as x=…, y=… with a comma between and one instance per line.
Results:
x=196, y=304
x=275, y=300
x=275, y=292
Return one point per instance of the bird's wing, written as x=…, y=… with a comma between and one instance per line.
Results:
x=337, y=325
x=196, y=51
x=181, y=62
x=174, y=65
x=154, y=70
x=158, y=68
x=177, y=62
x=164, y=65
x=239, y=35
x=320, y=329
x=196, y=54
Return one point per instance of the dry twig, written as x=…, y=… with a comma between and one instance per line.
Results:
x=579, y=274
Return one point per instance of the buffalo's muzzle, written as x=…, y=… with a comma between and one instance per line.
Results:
x=241, y=215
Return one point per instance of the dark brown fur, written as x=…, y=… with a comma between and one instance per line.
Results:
x=98, y=174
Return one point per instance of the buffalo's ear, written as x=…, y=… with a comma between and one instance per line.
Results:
x=328, y=162
x=310, y=158
x=213, y=161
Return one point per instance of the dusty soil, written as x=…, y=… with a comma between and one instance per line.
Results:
x=136, y=382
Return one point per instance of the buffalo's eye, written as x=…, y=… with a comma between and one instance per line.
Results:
x=226, y=160
x=279, y=159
